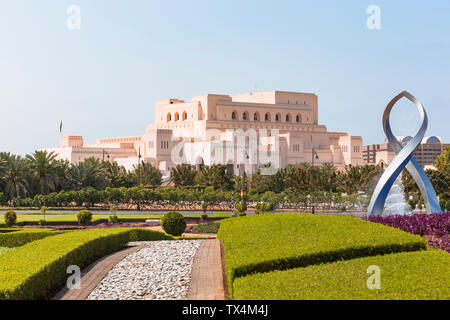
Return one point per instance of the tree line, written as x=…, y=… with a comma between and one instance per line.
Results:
x=40, y=174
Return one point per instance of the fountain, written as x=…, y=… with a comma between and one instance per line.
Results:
x=395, y=200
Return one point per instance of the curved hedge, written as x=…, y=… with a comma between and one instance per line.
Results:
x=37, y=269
x=407, y=275
x=267, y=242
x=20, y=237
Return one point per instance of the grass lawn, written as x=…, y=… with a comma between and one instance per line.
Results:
x=71, y=218
x=269, y=242
x=5, y=250
x=408, y=275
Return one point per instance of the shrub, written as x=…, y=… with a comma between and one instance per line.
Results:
x=113, y=219
x=222, y=215
x=419, y=205
x=211, y=227
x=263, y=208
x=84, y=217
x=204, y=217
x=37, y=269
x=412, y=204
x=447, y=205
x=239, y=208
x=10, y=218
x=410, y=275
x=41, y=222
x=277, y=242
x=204, y=206
x=173, y=223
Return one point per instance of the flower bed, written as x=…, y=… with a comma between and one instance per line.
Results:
x=410, y=275
x=434, y=227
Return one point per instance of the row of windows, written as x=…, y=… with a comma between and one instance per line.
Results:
x=164, y=144
x=296, y=147
x=176, y=116
x=267, y=117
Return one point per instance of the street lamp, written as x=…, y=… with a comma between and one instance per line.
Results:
x=313, y=156
x=139, y=177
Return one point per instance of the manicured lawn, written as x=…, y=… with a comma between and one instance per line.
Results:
x=70, y=218
x=5, y=250
x=409, y=275
x=268, y=242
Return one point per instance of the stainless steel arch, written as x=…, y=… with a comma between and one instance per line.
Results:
x=403, y=159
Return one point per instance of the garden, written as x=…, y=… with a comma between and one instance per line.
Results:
x=290, y=256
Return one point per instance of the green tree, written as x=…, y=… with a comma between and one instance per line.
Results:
x=45, y=178
x=149, y=175
x=117, y=176
x=15, y=175
x=183, y=175
x=216, y=176
x=88, y=173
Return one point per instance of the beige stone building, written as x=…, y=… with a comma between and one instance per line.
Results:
x=425, y=153
x=243, y=131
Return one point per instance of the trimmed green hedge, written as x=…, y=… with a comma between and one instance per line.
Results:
x=409, y=275
x=267, y=242
x=222, y=215
x=22, y=236
x=37, y=269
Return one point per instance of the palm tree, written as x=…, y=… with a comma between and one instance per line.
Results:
x=116, y=175
x=327, y=176
x=41, y=165
x=14, y=175
x=216, y=176
x=183, y=175
x=89, y=173
x=149, y=175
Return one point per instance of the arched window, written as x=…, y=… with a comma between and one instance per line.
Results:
x=298, y=119
x=245, y=116
x=256, y=116
x=184, y=115
x=267, y=117
x=288, y=118
x=169, y=117
x=277, y=117
x=177, y=116
x=234, y=115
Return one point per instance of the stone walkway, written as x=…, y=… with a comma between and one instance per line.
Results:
x=207, y=277
x=94, y=273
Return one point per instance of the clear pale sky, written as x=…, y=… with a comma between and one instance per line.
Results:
x=104, y=79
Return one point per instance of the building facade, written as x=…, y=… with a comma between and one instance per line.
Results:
x=425, y=154
x=242, y=131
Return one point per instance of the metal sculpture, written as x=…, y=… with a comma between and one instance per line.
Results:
x=403, y=159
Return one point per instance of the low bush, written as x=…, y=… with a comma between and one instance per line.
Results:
x=239, y=209
x=23, y=236
x=173, y=223
x=222, y=215
x=37, y=269
x=211, y=227
x=263, y=208
x=268, y=242
x=204, y=217
x=447, y=205
x=84, y=217
x=10, y=218
x=409, y=275
x=113, y=219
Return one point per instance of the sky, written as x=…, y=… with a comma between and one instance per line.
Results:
x=103, y=79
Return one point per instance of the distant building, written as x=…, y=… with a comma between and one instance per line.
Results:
x=425, y=153
x=241, y=131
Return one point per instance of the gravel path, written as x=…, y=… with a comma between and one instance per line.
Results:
x=160, y=271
